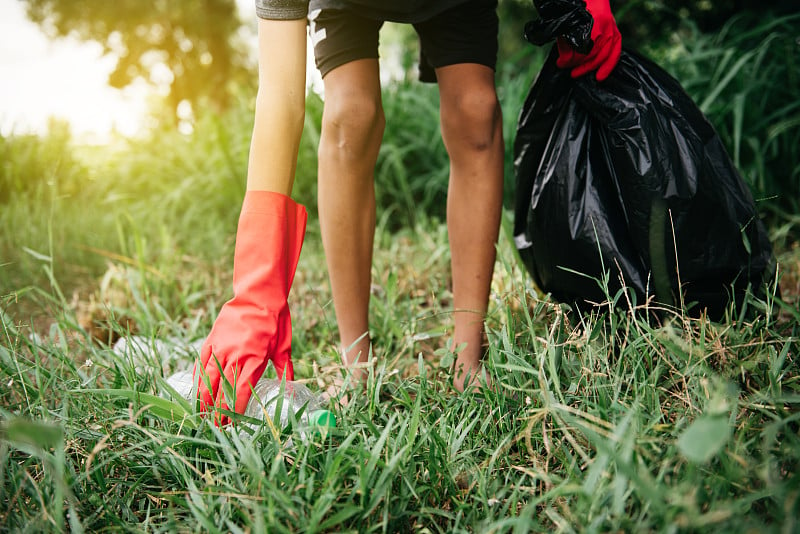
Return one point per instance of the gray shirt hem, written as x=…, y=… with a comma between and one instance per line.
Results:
x=282, y=9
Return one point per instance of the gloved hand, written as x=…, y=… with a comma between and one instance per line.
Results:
x=255, y=326
x=606, y=50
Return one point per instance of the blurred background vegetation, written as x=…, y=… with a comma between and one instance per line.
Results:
x=171, y=198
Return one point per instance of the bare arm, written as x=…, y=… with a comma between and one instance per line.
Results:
x=280, y=105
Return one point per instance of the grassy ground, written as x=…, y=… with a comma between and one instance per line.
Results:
x=596, y=423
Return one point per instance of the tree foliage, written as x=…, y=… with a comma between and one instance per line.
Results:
x=188, y=47
x=643, y=23
x=648, y=23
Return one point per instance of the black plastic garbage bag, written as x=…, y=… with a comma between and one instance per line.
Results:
x=625, y=181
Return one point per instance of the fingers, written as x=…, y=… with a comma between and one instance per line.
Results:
x=224, y=385
x=244, y=374
x=603, y=58
x=566, y=55
x=208, y=387
x=615, y=49
x=581, y=63
x=209, y=380
x=232, y=385
x=242, y=377
x=595, y=59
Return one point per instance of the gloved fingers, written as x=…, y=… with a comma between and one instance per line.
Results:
x=599, y=55
x=205, y=353
x=207, y=388
x=581, y=63
x=615, y=49
x=221, y=395
x=567, y=57
x=220, y=417
x=281, y=355
x=606, y=46
x=209, y=379
x=225, y=394
x=592, y=62
x=244, y=377
x=240, y=377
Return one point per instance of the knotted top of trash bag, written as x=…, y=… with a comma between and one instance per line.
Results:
x=567, y=19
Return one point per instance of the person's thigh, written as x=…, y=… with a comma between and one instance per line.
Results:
x=464, y=34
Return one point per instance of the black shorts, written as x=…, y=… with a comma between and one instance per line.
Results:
x=466, y=33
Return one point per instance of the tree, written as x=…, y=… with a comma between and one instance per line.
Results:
x=645, y=23
x=186, y=47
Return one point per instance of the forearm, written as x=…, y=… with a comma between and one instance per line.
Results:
x=280, y=105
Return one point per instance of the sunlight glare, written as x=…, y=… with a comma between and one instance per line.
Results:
x=63, y=79
x=66, y=79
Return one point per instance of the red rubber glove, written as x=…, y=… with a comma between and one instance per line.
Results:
x=255, y=326
x=606, y=49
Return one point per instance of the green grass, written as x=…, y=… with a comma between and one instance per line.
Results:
x=596, y=423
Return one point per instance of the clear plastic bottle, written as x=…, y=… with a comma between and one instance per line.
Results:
x=183, y=383
x=264, y=402
x=296, y=397
x=178, y=354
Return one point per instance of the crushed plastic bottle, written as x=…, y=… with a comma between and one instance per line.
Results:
x=183, y=383
x=296, y=396
x=297, y=399
x=179, y=355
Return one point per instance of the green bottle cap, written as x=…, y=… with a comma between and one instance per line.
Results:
x=323, y=418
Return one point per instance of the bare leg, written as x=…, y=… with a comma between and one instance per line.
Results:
x=280, y=105
x=352, y=129
x=472, y=133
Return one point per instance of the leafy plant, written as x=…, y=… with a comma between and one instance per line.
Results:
x=745, y=79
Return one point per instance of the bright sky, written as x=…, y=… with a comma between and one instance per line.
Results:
x=40, y=78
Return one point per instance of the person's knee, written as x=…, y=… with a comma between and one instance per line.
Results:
x=471, y=119
x=353, y=123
